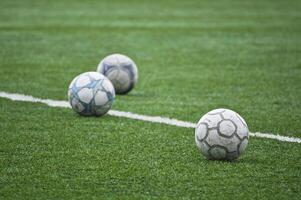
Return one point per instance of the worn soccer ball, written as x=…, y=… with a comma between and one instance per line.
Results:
x=121, y=70
x=91, y=93
x=222, y=134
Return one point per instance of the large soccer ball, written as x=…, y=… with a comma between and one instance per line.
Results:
x=121, y=70
x=91, y=93
x=222, y=134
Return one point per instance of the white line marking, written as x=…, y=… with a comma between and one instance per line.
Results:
x=156, y=119
x=276, y=137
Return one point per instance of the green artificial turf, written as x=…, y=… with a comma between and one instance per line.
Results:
x=193, y=56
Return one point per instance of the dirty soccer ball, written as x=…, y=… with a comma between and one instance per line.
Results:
x=222, y=134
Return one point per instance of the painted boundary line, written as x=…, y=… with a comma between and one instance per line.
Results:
x=154, y=119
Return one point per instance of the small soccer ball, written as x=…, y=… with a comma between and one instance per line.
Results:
x=91, y=93
x=121, y=70
x=222, y=134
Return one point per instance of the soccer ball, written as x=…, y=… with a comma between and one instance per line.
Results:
x=222, y=134
x=121, y=71
x=91, y=93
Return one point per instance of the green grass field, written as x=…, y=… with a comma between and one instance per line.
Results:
x=193, y=56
